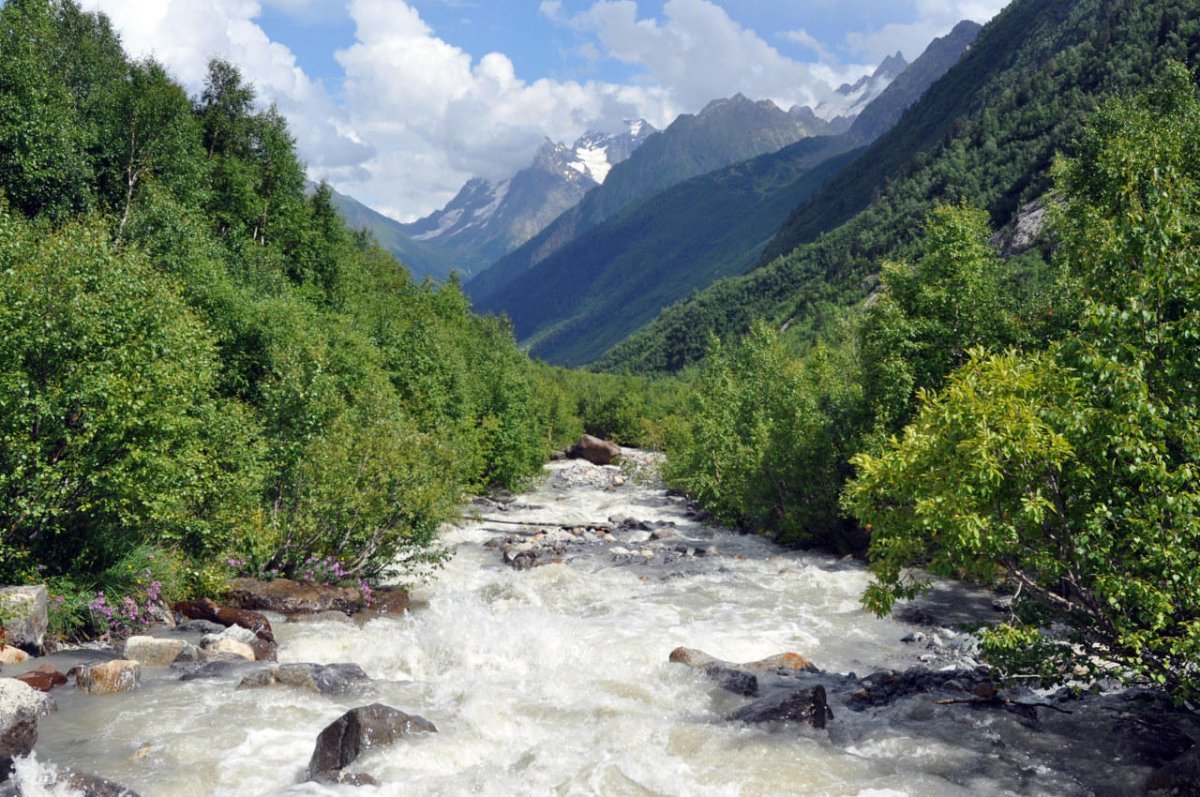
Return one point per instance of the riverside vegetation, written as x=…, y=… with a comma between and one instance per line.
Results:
x=1042, y=440
x=203, y=371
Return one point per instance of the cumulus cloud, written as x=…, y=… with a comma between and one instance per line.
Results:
x=408, y=91
x=416, y=116
x=698, y=53
x=933, y=18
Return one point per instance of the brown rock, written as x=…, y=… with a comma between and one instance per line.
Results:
x=286, y=596
x=110, y=678
x=43, y=679
x=594, y=450
x=781, y=661
x=388, y=600
x=358, y=730
x=729, y=676
x=205, y=609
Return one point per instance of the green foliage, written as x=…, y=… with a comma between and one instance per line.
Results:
x=199, y=360
x=1075, y=474
x=763, y=447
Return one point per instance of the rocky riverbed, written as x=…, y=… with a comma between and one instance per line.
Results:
x=595, y=636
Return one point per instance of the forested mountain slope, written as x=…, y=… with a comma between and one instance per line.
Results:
x=592, y=293
x=986, y=132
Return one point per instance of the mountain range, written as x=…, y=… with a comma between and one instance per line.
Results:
x=986, y=133
x=571, y=303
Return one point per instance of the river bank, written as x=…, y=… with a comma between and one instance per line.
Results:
x=552, y=676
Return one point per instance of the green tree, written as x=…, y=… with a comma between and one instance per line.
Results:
x=43, y=168
x=1076, y=474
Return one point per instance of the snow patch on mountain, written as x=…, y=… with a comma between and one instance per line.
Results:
x=848, y=100
x=593, y=162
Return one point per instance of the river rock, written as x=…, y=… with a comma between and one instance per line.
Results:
x=360, y=729
x=110, y=678
x=11, y=654
x=1180, y=778
x=234, y=642
x=20, y=707
x=43, y=679
x=153, y=651
x=388, y=600
x=594, y=450
x=205, y=609
x=324, y=679
x=781, y=662
x=286, y=596
x=79, y=783
x=728, y=676
x=798, y=705
x=27, y=609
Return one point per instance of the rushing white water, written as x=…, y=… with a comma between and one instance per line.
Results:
x=555, y=681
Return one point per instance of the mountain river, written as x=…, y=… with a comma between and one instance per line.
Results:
x=555, y=680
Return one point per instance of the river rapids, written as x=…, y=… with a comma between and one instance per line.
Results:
x=555, y=680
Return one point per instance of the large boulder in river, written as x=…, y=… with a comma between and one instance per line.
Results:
x=324, y=679
x=154, y=652
x=594, y=450
x=798, y=705
x=356, y=731
x=110, y=678
x=286, y=596
x=20, y=708
x=27, y=613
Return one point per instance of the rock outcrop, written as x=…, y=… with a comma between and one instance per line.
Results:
x=205, y=609
x=356, y=731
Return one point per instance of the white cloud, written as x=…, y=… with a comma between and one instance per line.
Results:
x=408, y=91
x=698, y=53
x=416, y=116
x=933, y=18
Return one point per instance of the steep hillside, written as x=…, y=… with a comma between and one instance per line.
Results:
x=612, y=279
x=421, y=260
x=725, y=132
x=985, y=133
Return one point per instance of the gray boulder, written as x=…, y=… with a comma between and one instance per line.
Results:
x=324, y=679
x=356, y=731
x=20, y=707
x=27, y=613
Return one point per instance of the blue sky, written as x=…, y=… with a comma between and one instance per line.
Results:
x=398, y=102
